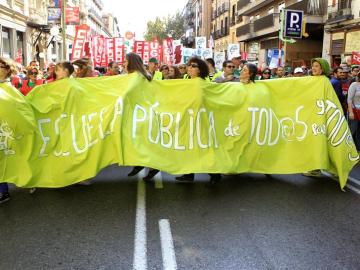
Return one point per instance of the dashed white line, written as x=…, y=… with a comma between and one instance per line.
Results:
x=140, y=241
x=167, y=245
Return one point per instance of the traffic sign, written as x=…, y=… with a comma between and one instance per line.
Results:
x=293, y=23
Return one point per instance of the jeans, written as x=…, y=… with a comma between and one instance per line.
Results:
x=4, y=188
x=354, y=126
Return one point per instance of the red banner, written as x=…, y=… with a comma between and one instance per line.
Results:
x=119, y=50
x=109, y=50
x=148, y=50
x=79, y=41
x=167, y=52
x=72, y=15
x=355, y=58
x=98, y=51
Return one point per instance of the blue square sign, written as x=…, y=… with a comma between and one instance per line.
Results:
x=293, y=23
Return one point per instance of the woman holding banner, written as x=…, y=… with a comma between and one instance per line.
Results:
x=198, y=68
x=7, y=69
x=133, y=63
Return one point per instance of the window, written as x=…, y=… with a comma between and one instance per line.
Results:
x=271, y=10
x=5, y=36
x=20, y=47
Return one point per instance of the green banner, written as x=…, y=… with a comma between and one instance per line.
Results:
x=66, y=131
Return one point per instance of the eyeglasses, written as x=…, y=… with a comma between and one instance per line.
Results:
x=182, y=67
x=267, y=73
x=230, y=66
x=31, y=73
x=193, y=65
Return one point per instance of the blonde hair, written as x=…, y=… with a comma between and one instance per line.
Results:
x=10, y=65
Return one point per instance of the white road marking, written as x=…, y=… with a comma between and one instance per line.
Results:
x=140, y=244
x=167, y=245
x=353, y=189
x=349, y=186
x=158, y=180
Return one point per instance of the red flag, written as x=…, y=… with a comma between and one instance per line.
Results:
x=79, y=41
x=72, y=15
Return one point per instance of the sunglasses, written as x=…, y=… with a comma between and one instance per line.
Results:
x=267, y=73
x=33, y=73
x=182, y=67
x=193, y=65
x=4, y=66
x=230, y=66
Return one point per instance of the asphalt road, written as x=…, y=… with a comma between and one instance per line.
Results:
x=247, y=221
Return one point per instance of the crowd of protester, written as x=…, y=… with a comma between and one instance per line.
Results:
x=345, y=80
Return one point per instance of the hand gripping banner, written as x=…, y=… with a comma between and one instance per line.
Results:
x=66, y=131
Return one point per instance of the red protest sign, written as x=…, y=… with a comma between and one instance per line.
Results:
x=98, y=51
x=119, y=50
x=109, y=50
x=72, y=15
x=79, y=41
x=355, y=58
x=167, y=51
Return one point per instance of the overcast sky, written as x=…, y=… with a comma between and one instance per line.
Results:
x=133, y=15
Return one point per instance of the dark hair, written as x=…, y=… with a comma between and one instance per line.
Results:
x=337, y=69
x=210, y=61
x=204, y=69
x=67, y=66
x=163, y=67
x=353, y=67
x=135, y=63
x=226, y=62
x=177, y=74
x=110, y=65
x=243, y=61
x=252, y=71
x=9, y=65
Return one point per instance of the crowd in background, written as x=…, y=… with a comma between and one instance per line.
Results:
x=345, y=80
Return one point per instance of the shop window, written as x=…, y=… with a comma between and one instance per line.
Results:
x=20, y=47
x=6, y=48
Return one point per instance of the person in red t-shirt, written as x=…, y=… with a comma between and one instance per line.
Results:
x=32, y=80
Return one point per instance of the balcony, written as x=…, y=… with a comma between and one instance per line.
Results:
x=310, y=9
x=95, y=16
x=340, y=12
x=245, y=7
x=264, y=22
x=242, y=3
x=221, y=33
x=265, y=26
x=232, y=21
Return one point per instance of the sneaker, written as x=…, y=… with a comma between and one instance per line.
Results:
x=4, y=197
x=185, y=178
x=314, y=173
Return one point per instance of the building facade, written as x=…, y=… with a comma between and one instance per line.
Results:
x=342, y=31
x=257, y=25
x=221, y=17
x=13, y=18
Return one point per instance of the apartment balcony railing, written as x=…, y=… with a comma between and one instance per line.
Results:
x=310, y=7
x=95, y=15
x=265, y=22
x=340, y=12
x=247, y=7
x=242, y=3
x=243, y=30
x=263, y=26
